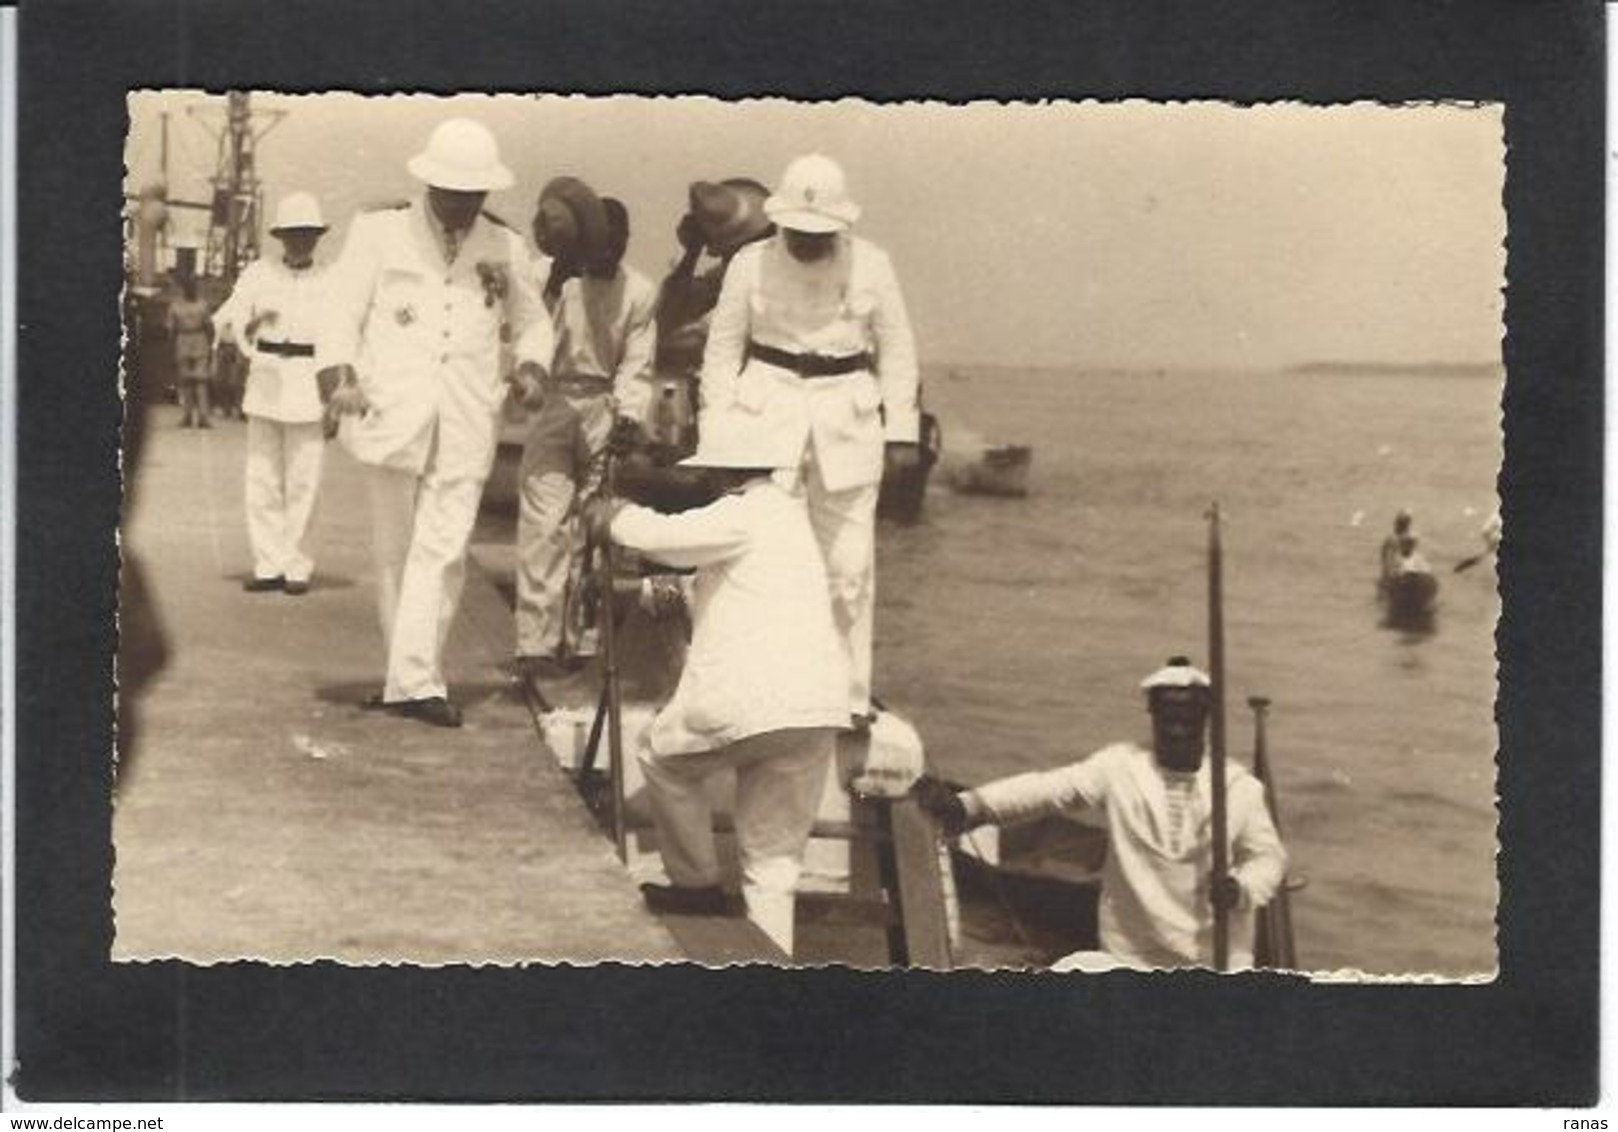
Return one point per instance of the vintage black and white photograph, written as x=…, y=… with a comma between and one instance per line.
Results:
x=1000, y=536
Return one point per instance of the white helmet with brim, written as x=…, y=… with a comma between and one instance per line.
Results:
x=462, y=156
x=737, y=439
x=1179, y=672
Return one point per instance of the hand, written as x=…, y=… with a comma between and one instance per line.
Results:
x=346, y=397
x=942, y=802
x=1224, y=892
x=528, y=385
x=690, y=234
x=902, y=455
x=598, y=515
x=626, y=436
x=661, y=596
x=259, y=320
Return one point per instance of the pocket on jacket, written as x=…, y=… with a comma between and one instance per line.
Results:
x=753, y=388
x=710, y=706
x=867, y=396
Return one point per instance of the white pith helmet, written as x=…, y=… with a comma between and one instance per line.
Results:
x=461, y=155
x=298, y=210
x=812, y=197
x=736, y=439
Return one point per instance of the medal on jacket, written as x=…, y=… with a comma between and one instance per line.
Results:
x=493, y=278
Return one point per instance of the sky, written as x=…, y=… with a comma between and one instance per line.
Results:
x=1125, y=234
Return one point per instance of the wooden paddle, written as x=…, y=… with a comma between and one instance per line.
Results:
x=1216, y=671
x=610, y=694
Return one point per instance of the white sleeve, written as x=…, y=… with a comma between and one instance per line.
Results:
x=1259, y=861
x=728, y=330
x=692, y=538
x=1024, y=797
x=632, y=384
x=895, y=354
x=352, y=282
x=236, y=312
x=533, y=333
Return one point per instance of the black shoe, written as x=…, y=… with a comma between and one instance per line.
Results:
x=674, y=899
x=434, y=710
x=265, y=585
x=296, y=589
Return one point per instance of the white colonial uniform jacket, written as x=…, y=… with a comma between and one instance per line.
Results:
x=848, y=305
x=427, y=338
x=280, y=386
x=1155, y=910
x=765, y=654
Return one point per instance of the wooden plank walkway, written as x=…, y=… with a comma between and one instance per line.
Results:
x=265, y=815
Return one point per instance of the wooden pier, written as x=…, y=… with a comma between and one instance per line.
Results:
x=262, y=814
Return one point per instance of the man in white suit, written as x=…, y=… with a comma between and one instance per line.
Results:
x=811, y=332
x=273, y=315
x=424, y=295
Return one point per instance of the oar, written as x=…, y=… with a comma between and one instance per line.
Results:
x=1216, y=666
x=1275, y=920
x=606, y=596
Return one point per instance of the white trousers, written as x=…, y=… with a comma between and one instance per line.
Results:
x=779, y=778
x=420, y=527
x=845, y=526
x=558, y=470
x=283, y=478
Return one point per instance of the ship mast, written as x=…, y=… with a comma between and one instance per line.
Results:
x=238, y=194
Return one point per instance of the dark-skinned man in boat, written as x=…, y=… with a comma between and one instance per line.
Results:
x=1159, y=894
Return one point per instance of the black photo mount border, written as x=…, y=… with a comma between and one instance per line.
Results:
x=89, y=1029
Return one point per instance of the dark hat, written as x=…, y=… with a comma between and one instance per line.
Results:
x=729, y=214
x=570, y=223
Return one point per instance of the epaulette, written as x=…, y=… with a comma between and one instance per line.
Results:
x=495, y=220
x=386, y=206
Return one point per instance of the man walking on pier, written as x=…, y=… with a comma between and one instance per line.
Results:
x=274, y=315
x=1157, y=891
x=424, y=295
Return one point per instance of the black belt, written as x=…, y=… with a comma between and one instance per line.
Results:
x=809, y=365
x=287, y=349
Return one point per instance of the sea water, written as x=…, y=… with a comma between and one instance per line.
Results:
x=1014, y=632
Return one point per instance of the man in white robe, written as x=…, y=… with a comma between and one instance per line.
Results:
x=1158, y=891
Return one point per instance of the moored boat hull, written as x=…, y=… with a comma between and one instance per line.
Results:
x=1000, y=469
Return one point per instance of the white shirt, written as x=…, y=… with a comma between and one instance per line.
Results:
x=605, y=330
x=1155, y=910
x=288, y=307
x=765, y=653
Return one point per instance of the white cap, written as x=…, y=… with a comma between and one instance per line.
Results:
x=812, y=197
x=298, y=210
x=1177, y=673
x=461, y=155
x=736, y=439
